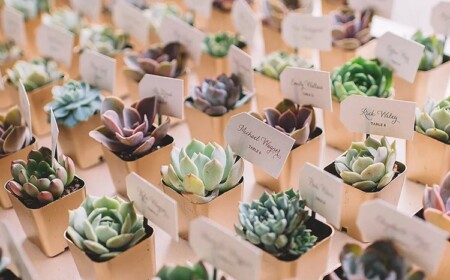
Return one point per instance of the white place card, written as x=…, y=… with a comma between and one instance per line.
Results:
x=307, y=87
x=379, y=116
x=169, y=92
x=13, y=23
x=307, y=31
x=245, y=21
x=258, y=143
x=55, y=134
x=381, y=7
x=240, y=63
x=202, y=7
x=175, y=30
x=400, y=54
x=440, y=18
x=154, y=204
x=381, y=25
x=323, y=193
x=55, y=42
x=222, y=249
x=88, y=8
x=24, y=104
x=132, y=20
x=98, y=70
x=420, y=242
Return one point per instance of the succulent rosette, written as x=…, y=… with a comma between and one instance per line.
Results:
x=218, y=44
x=104, y=39
x=14, y=133
x=434, y=120
x=274, y=64
x=433, y=54
x=436, y=203
x=9, y=51
x=30, y=9
x=361, y=76
x=351, y=28
x=275, y=10
x=189, y=271
x=64, y=18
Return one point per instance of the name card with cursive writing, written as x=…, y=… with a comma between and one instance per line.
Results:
x=421, y=242
x=54, y=134
x=381, y=25
x=169, y=92
x=258, y=143
x=132, y=20
x=323, y=193
x=379, y=116
x=402, y=55
x=307, y=86
x=55, y=42
x=240, y=63
x=175, y=30
x=156, y=206
x=224, y=250
x=246, y=22
x=13, y=23
x=25, y=108
x=381, y=7
x=202, y=7
x=307, y=31
x=440, y=18
x=98, y=70
x=88, y=8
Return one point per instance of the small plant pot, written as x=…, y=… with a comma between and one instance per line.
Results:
x=354, y=198
x=336, y=134
x=197, y=121
x=268, y=91
x=428, y=159
x=137, y=263
x=289, y=177
x=222, y=209
x=45, y=226
x=77, y=144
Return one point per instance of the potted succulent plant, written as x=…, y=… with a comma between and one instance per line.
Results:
x=189, y=271
x=431, y=143
x=293, y=244
x=76, y=106
x=358, y=76
x=267, y=77
x=368, y=170
x=9, y=54
x=213, y=104
x=298, y=122
x=38, y=76
x=5, y=273
x=350, y=31
x=432, y=77
x=110, y=241
x=42, y=191
x=16, y=141
x=163, y=60
x=204, y=180
x=130, y=140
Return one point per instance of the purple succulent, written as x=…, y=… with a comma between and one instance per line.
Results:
x=350, y=28
x=436, y=200
x=14, y=134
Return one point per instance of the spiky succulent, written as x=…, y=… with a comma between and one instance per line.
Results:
x=104, y=227
x=296, y=121
x=4, y=262
x=189, y=271
x=434, y=120
x=275, y=10
x=217, y=96
x=351, y=28
x=218, y=44
x=433, y=54
x=74, y=102
x=202, y=172
x=9, y=51
x=30, y=9
x=276, y=62
x=65, y=18
x=361, y=76
x=169, y=61
x=14, y=133
x=379, y=261
x=104, y=39
x=369, y=165
x=276, y=224
x=129, y=131
x=436, y=200
x=34, y=74
x=36, y=179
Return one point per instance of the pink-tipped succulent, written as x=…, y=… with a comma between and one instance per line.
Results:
x=292, y=119
x=351, y=28
x=436, y=203
x=129, y=131
x=14, y=133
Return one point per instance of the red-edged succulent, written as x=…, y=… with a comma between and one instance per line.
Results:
x=351, y=28
x=436, y=202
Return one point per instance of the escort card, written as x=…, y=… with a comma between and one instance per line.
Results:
x=323, y=193
x=381, y=7
x=156, y=206
x=24, y=104
x=132, y=20
x=381, y=25
x=258, y=143
x=55, y=133
x=240, y=63
x=98, y=70
x=13, y=23
x=379, y=116
x=169, y=91
x=246, y=21
x=175, y=30
x=202, y=7
x=307, y=86
x=307, y=31
x=400, y=54
x=440, y=18
x=420, y=242
x=222, y=249
x=55, y=42
x=88, y=8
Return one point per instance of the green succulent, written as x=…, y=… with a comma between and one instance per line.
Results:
x=434, y=120
x=74, y=102
x=433, y=54
x=14, y=133
x=183, y=272
x=361, y=76
x=36, y=179
x=104, y=39
x=30, y=9
x=104, y=227
x=276, y=224
x=219, y=44
x=202, y=172
x=65, y=18
x=368, y=165
x=9, y=51
x=274, y=64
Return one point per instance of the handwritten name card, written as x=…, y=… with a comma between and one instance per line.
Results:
x=202, y=7
x=13, y=23
x=98, y=70
x=246, y=21
x=88, y=8
x=24, y=104
x=55, y=42
x=440, y=18
x=381, y=7
x=131, y=20
x=240, y=63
